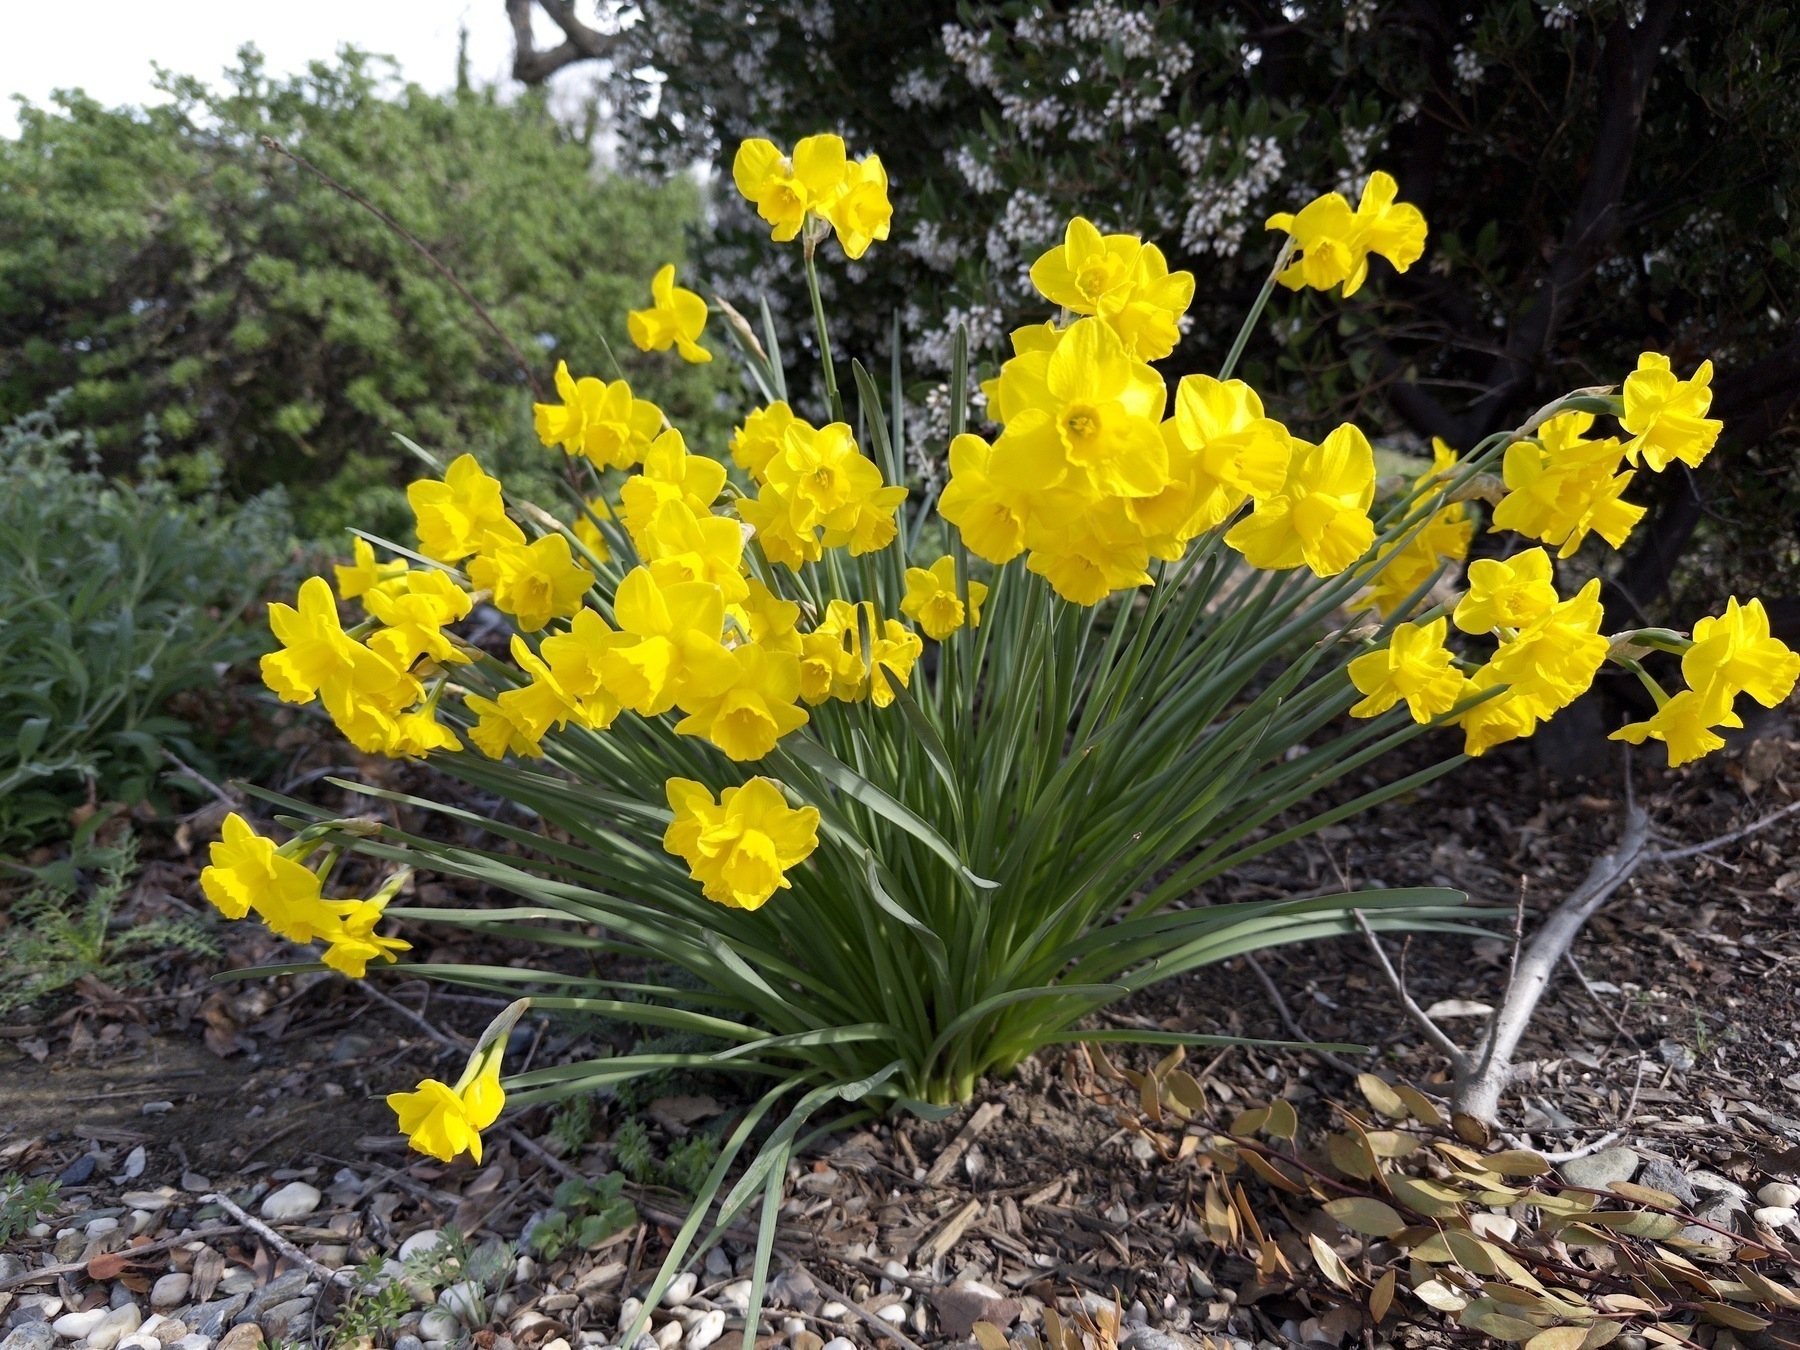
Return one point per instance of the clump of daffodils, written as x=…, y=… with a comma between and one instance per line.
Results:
x=714, y=611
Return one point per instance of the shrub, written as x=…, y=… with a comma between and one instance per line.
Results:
x=112, y=598
x=169, y=270
x=892, y=870
x=1554, y=144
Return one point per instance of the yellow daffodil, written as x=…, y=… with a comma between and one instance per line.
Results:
x=771, y=516
x=1090, y=553
x=576, y=661
x=1222, y=453
x=1405, y=567
x=417, y=733
x=461, y=515
x=761, y=438
x=670, y=474
x=444, y=1121
x=1685, y=725
x=741, y=847
x=979, y=508
x=314, y=647
x=1666, y=417
x=1088, y=273
x=753, y=709
x=831, y=664
x=355, y=943
x=248, y=873
x=1734, y=654
x=415, y=618
x=1560, y=487
x=1553, y=659
x=361, y=688
x=860, y=211
x=365, y=573
x=1415, y=667
x=601, y=421
x=932, y=602
x=675, y=319
x=1507, y=594
x=1121, y=280
x=820, y=491
x=771, y=619
x=681, y=546
x=675, y=653
x=534, y=582
x=499, y=729
x=893, y=650
x=543, y=703
x=1321, y=515
x=1335, y=242
x=1495, y=720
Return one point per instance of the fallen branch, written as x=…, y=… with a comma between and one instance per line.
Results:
x=1482, y=1074
x=279, y=1243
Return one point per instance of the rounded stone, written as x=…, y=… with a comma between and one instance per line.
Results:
x=1780, y=1194
x=245, y=1336
x=422, y=1241
x=461, y=1300
x=668, y=1336
x=840, y=1343
x=438, y=1324
x=1599, y=1170
x=170, y=1290
x=1775, y=1216
x=408, y=1343
x=680, y=1289
x=115, y=1327
x=704, y=1332
x=76, y=1325
x=293, y=1201
x=29, y=1336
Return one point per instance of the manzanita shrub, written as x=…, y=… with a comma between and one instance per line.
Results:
x=914, y=787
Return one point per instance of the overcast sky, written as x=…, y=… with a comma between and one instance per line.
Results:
x=107, y=47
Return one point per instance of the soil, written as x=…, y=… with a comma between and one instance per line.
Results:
x=1675, y=1030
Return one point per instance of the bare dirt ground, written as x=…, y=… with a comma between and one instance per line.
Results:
x=1675, y=1030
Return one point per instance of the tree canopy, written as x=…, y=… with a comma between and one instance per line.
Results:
x=190, y=286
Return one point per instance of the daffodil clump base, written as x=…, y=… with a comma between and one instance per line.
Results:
x=911, y=787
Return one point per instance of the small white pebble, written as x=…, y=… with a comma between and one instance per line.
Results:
x=707, y=1330
x=680, y=1289
x=628, y=1313
x=833, y=1310
x=1775, y=1216
x=893, y=1312
x=669, y=1335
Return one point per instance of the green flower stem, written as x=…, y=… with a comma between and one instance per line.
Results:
x=832, y=396
x=1262, y=299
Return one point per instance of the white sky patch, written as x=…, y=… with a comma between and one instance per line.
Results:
x=108, y=47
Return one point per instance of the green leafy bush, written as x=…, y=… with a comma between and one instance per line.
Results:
x=171, y=271
x=112, y=599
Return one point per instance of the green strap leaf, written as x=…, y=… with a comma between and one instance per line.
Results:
x=853, y=784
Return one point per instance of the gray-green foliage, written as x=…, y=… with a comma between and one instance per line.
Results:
x=67, y=926
x=113, y=598
x=167, y=268
x=23, y=1201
